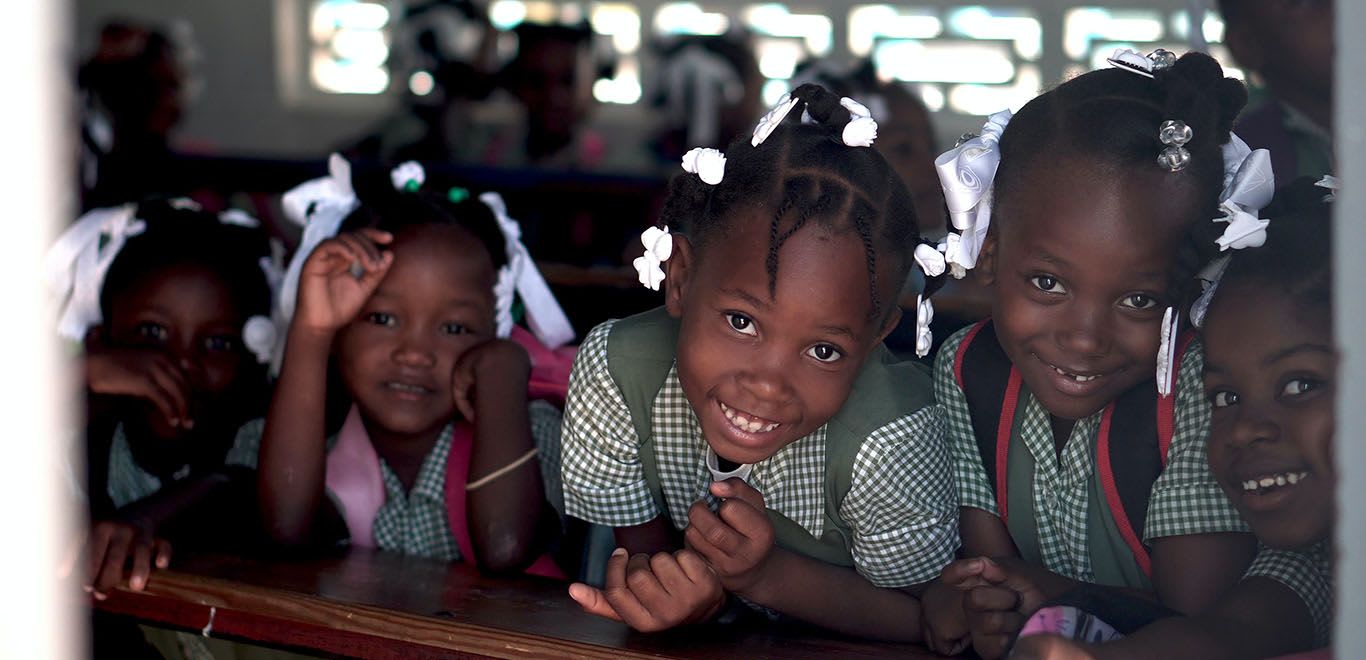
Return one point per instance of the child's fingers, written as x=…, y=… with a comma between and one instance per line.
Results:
x=963, y=573
x=713, y=531
x=749, y=522
x=142, y=566
x=100, y=537
x=115, y=559
x=378, y=236
x=991, y=647
x=670, y=575
x=696, y=568
x=163, y=554
x=619, y=592
x=462, y=389
x=362, y=249
x=990, y=598
x=736, y=487
x=175, y=389
x=592, y=600
x=695, y=541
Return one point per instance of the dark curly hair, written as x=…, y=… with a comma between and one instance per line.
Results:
x=804, y=173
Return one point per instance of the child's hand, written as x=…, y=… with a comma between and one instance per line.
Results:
x=654, y=593
x=943, y=623
x=119, y=549
x=498, y=368
x=1049, y=647
x=144, y=374
x=339, y=276
x=997, y=609
x=736, y=542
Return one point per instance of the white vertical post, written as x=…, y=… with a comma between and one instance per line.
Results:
x=1349, y=244
x=39, y=613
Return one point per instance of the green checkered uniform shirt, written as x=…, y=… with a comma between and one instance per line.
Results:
x=1308, y=573
x=1185, y=498
x=128, y=482
x=900, y=506
x=414, y=522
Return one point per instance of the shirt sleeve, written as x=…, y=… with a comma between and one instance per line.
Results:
x=247, y=445
x=1305, y=573
x=969, y=477
x=545, y=434
x=604, y=480
x=901, y=506
x=1185, y=498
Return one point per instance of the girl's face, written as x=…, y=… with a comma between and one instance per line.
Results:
x=1270, y=374
x=761, y=372
x=1078, y=264
x=397, y=356
x=187, y=312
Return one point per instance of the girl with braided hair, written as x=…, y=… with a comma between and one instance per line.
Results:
x=753, y=437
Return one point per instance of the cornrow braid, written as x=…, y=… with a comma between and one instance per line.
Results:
x=807, y=175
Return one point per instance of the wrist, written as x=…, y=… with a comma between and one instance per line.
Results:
x=307, y=340
x=756, y=584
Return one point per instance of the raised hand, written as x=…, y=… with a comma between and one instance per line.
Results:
x=653, y=593
x=496, y=369
x=339, y=276
x=140, y=373
x=737, y=539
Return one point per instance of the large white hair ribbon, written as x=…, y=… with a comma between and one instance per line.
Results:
x=521, y=277
x=966, y=174
x=1249, y=185
x=319, y=206
x=75, y=266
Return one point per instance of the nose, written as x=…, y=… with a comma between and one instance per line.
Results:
x=414, y=350
x=766, y=378
x=1251, y=427
x=1085, y=329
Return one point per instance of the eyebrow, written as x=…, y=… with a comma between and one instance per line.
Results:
x=381, y=294
x=838, y=330
x=1299, y=348
x=745, y=296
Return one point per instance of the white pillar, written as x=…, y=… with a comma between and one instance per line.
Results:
x=1349, y=245
x=39, y=614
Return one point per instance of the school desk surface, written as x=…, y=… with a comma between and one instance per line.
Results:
x=380, y=605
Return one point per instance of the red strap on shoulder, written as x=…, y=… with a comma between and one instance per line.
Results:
x=1166, y=405
x=1003, y=429
x=963, y=349
x=1107, y=484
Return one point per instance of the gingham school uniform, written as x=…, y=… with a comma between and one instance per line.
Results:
x=414, y=522
x=1075, y=532
x=1308, y=573
x=128, y=482
x=900, y=504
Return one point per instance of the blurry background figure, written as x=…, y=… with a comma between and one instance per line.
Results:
x=905, y=136
x=444, y=54
x=136, y=87
x=707, y=91
x=1287, y=48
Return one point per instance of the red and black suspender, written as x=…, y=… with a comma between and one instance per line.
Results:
x=1135, y=432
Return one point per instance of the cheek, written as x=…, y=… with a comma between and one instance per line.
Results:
x=1315, y=437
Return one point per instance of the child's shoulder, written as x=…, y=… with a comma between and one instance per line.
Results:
x=640, y=347
x=887, y=389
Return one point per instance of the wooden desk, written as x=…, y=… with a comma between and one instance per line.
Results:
x=379, y=605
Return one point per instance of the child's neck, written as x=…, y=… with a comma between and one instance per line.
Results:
x=404, y=453
x=1062, y=430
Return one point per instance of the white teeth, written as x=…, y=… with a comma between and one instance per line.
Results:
x=1283, y=479
x=1266, y=482
x=1280, y=480
x=746, y=424
x=1079, y=379
x=1292, y=478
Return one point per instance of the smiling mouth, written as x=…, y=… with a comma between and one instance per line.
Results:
x=1269, y=483
x=1080, y=378
x=407, y=390
x=747, y=423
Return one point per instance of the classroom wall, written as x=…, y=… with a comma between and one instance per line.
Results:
x=241, y=110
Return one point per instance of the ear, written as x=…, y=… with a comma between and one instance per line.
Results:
x=890, y=324
x=680, y=266
x=1245, y=46
x=986, y=259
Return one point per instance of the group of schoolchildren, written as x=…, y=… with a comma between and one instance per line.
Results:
x=1131, y=456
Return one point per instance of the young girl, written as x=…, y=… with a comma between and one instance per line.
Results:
x=753, y=437
x=409, y=308
x=173, y=330
x=1071, y=468
x=1270, y=371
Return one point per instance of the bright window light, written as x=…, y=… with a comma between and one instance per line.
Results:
x=945, y=61
x=1017, y=26
x=621, y=22
x=1083, y=25
x=932, y=96
x=773, y=91
x=506, y=14
x=980, y=100
x=689, y=18
x=775, y=20
x=870, y=23
x=1212, y=26
x=350, y=46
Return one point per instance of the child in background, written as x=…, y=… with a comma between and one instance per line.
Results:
x=175, y=333
x=753, y=436
x=1270, y=376
x=1070, y=468
x=409, y=308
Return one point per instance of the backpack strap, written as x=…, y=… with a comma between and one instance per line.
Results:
x=991, y=385
x=640, y=354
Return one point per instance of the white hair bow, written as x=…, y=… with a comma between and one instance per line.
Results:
x=319, y=206
x=924, y=314
x=1249, y=184
x=521, y=277
x=659, y=246
x=75, y=266
x=966, y=174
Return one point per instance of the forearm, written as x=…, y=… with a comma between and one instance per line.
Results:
x=154, y=512
x=292, y=464
x=835, y=597
x=503, y=513
x=1191, y=573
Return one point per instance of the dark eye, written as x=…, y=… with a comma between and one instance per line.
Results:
x=1138, y=301
x=1300, y=386
x=1223, y=399
x=825, y=353
x=382, y=318
x=1047, y=284
x=741, y=324
x=221, y=344
x=454, y=328
x=155, y=332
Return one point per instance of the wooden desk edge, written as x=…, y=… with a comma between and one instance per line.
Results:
x=232, y=609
